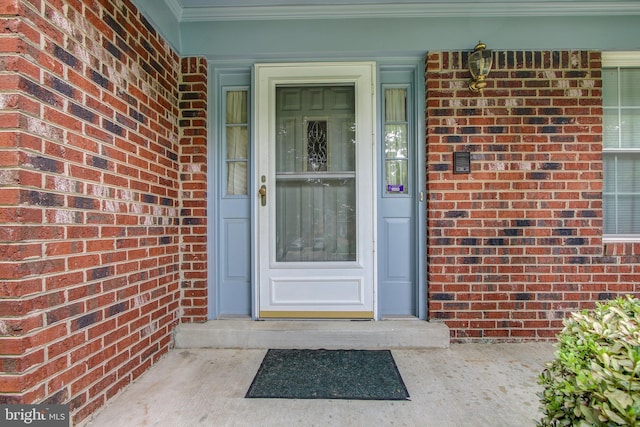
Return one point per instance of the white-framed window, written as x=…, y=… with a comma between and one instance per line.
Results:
x=621, y=145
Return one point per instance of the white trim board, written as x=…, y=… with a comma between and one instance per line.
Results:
x=621, y=59
x=423, y=9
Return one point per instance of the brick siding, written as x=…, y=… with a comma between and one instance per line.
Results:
x=517, y=244
x=193, y=175
x=92, y=166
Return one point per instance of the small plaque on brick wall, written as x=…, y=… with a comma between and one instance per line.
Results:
x=462, y=162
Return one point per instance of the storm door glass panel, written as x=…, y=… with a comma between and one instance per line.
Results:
x=396, y=146
x=237, y=142
x=315, y=174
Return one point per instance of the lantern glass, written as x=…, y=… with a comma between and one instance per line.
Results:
x=480, y=63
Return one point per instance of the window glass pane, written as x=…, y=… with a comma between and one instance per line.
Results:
x=343, y=156
x=630, y=127
x=621, y=193
x=630, y=86
x=236, y=107
x=315, y=129
x=316, y=220
x=397, y=174
x=610, y=82
x=609, y=213
x=395, y=101
x=628, y=212
x=395, y=141
x=236, y=178
x=237, y=143
x=609, y=171
x=611, y=129
x=628, y=173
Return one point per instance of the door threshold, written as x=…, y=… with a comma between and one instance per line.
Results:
x=233, y=317
x=317, y=315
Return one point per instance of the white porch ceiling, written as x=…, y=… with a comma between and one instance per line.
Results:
x=230, y=10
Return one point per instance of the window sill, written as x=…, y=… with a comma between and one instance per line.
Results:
x=620, y=239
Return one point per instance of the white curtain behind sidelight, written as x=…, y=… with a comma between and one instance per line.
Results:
x=396, y=140
x=237, y=134
x=395, y=101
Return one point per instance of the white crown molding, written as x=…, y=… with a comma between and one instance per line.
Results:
x=176, y=8
x=406, y=10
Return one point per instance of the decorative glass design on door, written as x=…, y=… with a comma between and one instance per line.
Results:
x=316, y=131
x=315, y=174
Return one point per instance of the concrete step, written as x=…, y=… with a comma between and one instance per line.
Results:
x=249, y=334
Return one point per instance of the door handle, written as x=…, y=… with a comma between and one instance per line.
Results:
x=263, y=195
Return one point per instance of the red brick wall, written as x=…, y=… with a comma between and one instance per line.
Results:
x=103, y=198
x=517, y=243
x=193, y=174
x=91, y=164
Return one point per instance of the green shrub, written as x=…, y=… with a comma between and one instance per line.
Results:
x=594, y=379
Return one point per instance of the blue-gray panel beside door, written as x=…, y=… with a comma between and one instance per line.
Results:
x=397, y=291
x=230, y=276
x=401, y=289
x=235, y=283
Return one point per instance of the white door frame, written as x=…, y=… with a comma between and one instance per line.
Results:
x=266, y=78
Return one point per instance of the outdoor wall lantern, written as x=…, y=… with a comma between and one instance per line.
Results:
x=480, y=61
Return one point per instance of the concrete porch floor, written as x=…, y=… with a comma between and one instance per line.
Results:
x=489, y=385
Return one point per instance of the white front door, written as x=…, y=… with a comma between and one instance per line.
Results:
x=315, y=204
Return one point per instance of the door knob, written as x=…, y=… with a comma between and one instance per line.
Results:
x=263, y=195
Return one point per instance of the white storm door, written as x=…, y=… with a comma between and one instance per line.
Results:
x=315, y=190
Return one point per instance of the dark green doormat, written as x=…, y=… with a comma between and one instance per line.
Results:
x=329, y=374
